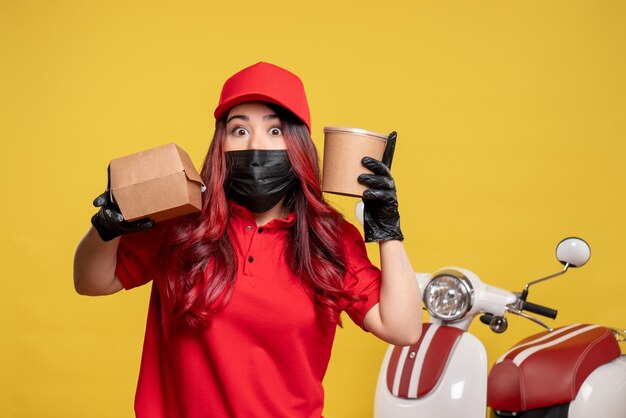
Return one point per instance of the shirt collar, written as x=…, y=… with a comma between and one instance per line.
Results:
x=240, y=212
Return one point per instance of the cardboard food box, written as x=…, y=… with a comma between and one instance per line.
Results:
x=160, y=183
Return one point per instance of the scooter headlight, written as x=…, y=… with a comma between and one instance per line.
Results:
x=448, y=296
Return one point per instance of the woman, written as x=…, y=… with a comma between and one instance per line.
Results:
x=247, y=295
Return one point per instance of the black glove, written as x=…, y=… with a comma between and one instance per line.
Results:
x=380, y=215
x=109, y=221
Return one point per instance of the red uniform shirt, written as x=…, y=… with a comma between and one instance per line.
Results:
x=265, y=353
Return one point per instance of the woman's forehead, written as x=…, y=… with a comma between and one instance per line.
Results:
x=251, y=108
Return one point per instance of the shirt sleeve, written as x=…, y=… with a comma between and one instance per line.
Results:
x=137, y=257
x=362, y=277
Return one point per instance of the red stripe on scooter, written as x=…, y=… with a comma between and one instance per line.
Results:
x=436, y=358
x=516, y=350
x=392, y=367
x=409, y=362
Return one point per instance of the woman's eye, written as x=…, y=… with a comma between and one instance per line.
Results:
x=276, y=131
x=240, y=131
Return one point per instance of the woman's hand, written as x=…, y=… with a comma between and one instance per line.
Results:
x=381, y=219
x=109, y=221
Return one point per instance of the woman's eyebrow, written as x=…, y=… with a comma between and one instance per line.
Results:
x=246, y=118
x=242, y=117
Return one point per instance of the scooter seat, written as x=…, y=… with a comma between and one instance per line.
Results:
x=548, y=368
x=413, y=371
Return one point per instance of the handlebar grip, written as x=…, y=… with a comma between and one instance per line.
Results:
x=539, y=310
x=486, y=318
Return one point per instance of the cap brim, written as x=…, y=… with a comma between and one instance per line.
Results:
x=225, y=107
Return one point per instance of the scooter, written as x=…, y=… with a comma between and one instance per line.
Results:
x=575, y=371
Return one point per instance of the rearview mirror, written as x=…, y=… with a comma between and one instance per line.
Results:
x=573, y=252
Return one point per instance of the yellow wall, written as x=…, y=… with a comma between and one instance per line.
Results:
x=511, y=121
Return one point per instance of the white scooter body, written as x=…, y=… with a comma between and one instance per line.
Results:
x=461, y=392
x=603, y=394
x=462, y=389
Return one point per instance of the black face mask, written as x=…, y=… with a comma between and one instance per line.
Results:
x=258, y=179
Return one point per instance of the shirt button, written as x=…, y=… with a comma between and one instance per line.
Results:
x=260, y=230
x=249, y=227
x=250, y=259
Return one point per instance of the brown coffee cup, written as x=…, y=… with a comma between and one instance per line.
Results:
x=344, y=148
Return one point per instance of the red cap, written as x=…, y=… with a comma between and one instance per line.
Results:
x=267, y=83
